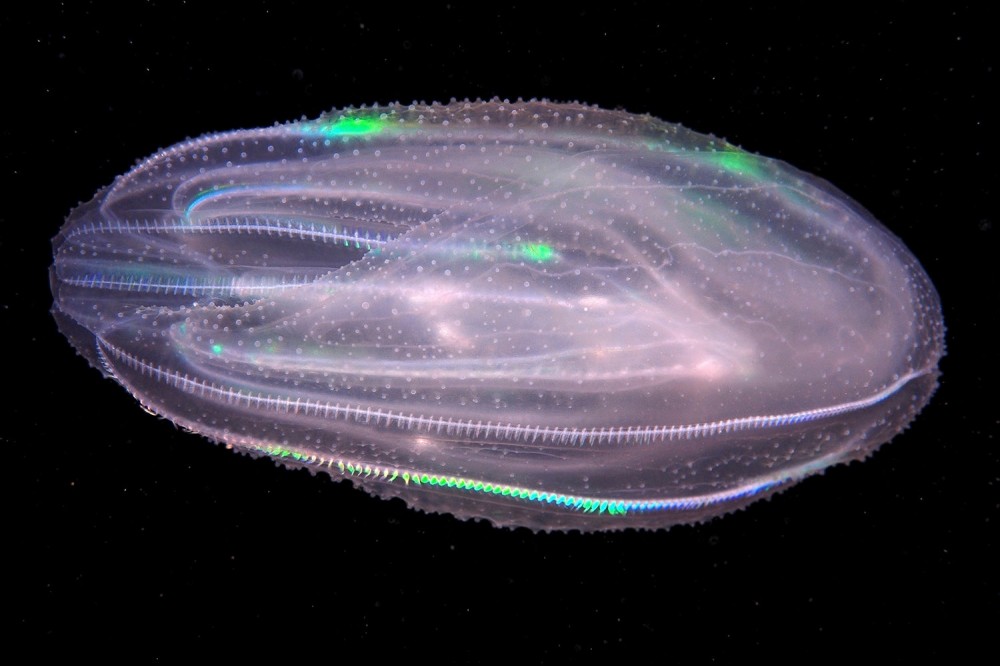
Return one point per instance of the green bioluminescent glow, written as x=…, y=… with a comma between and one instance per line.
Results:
x=534, y=252
x=738, y=162
x=347, y=126
x=216, y=349
x=537, y=252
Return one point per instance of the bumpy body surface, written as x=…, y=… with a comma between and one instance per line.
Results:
x=548, y=315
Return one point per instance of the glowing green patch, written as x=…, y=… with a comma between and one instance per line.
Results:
x=216, y=349
x=738, y=162
x=347, y=126
x=537, y=252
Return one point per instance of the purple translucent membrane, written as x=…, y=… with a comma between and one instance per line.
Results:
x=545, y=315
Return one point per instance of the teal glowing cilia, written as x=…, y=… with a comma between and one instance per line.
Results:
x=545, y=315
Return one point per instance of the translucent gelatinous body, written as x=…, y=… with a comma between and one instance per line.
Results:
x=547, y=315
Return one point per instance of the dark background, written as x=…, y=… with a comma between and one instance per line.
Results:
x=126, y=536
